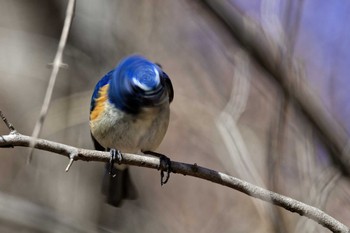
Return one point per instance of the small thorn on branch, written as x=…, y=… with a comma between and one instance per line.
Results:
x=194, y=167
x=69, y=164
x=8, y=124
x=71, y=160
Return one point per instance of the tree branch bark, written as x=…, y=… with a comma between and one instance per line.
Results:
x=16, y=139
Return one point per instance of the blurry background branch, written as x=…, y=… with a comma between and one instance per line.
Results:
x=28, y=215
x=227, y=124
x=277, y=61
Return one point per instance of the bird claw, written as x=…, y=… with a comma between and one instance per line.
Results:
x=115, y=155
x=164, y=165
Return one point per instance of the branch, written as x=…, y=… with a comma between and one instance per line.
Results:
x=279, y=63
x=57, y=63
x=7, y=123
x=181, y=168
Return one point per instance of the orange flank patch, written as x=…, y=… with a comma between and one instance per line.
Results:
x=99, y=102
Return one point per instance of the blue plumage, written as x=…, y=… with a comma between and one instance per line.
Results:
x=135, y=83
x=103, y=81
x=130, y=112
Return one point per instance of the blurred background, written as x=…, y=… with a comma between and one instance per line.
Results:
x=228, y=114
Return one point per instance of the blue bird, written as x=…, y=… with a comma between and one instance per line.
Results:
x=130, y=113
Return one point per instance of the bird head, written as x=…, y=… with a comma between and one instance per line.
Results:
x=138, y=83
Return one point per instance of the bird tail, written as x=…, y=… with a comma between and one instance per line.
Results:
x=118, y=186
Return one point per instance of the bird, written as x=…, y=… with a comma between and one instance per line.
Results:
x=129, y=112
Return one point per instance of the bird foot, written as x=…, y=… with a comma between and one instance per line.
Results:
x=115, y=155
x=164, y=166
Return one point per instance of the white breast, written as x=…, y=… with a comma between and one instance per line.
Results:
x=131, y=133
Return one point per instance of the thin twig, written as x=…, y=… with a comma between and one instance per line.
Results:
x=7, y=123
x=323, y=187
x=69, y=164
x=185, y=169
x=57, y=63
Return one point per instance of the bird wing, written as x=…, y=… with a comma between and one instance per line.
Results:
x=169, y=87
x=103, y=81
